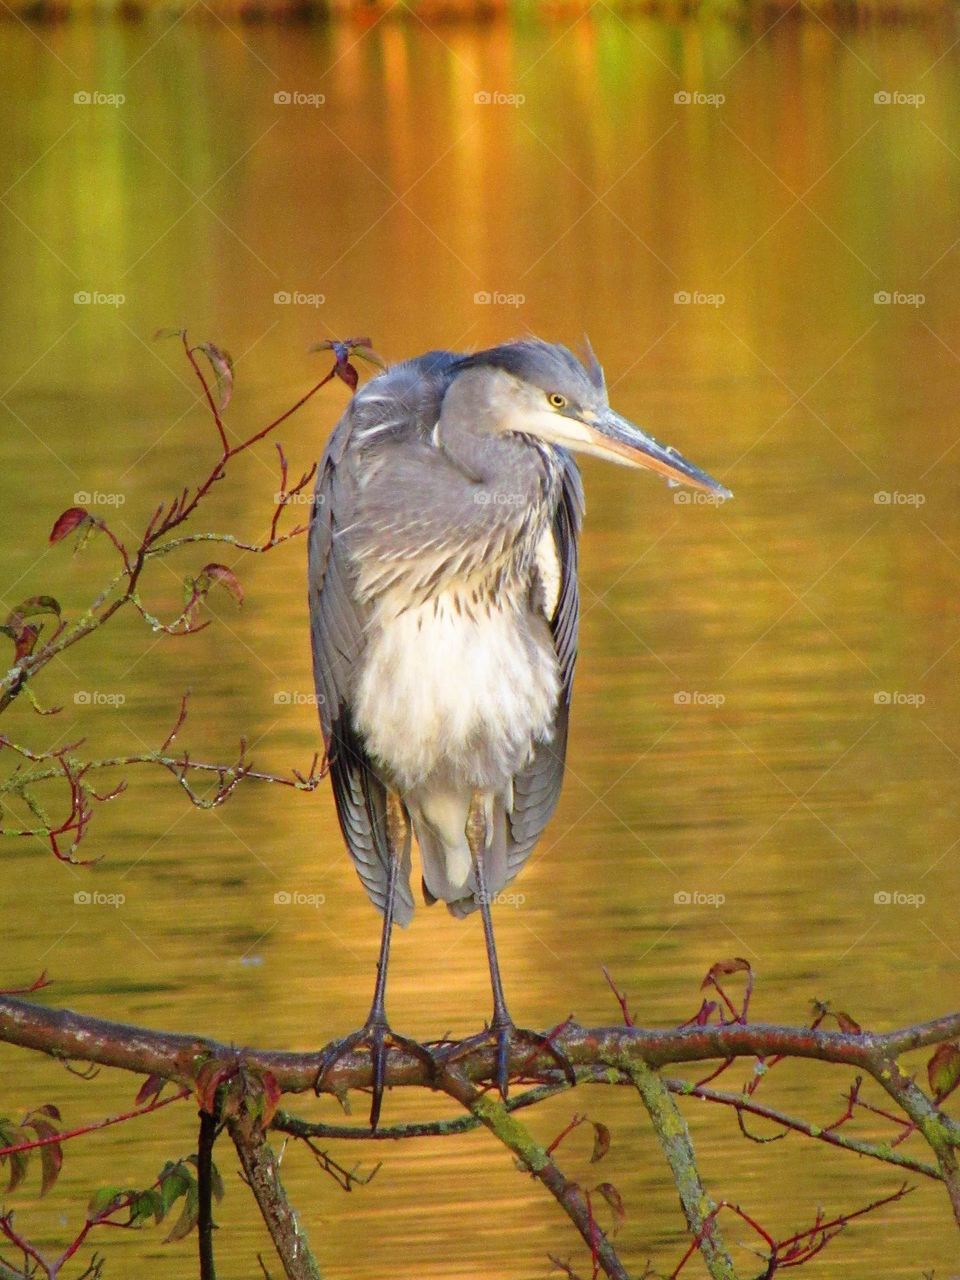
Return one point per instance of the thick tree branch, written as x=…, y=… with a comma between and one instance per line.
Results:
x=262, y=1171
x=699, y=1208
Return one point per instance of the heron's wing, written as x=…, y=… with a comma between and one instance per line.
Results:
x=537, y=788
x=337, y=632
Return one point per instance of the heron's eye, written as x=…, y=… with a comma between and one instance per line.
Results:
x=556, y=400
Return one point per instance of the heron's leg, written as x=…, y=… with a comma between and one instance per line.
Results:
x=477, y=840
x=376, y=1032
x=398, y=842
x=502, y=1027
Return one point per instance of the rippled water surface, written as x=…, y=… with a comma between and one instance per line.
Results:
x=767, y=702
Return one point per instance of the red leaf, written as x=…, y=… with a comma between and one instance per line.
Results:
x=601, y=1141
x=846, y=1023
x=211, y=573
x=348, y=374
x=23, y=637
x=149, y=1089
x=615, y=1201
x=71, y=519
x=943, y=1070
x=222, y=364
x=208, y=1080
x=272, y=1093
x=723, y=967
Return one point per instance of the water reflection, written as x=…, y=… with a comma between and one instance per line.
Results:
x=596, y=200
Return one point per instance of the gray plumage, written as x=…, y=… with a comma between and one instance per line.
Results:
x=444, y=604
x=375, y=535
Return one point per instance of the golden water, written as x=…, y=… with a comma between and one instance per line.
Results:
x=797, y=797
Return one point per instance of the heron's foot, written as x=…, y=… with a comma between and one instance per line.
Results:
x=505, y=1037
x=378, y=1038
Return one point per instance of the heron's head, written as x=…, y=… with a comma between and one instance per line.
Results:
x=540, y=389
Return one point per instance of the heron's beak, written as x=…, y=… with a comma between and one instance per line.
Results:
x=615, y=438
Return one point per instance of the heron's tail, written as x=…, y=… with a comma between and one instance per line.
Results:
x=439, y=823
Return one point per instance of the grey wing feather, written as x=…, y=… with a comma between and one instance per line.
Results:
x=336, y=625
x=536, y=789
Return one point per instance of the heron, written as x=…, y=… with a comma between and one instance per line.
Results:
x=444, y=609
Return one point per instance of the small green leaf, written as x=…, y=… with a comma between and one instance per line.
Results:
x=175, y=1181
x=102, y=1200
x=18, y=1167
x=148, y=1204
x=51, y=1162
x=31, y=608
x=169, y=332
x=188, y=1216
